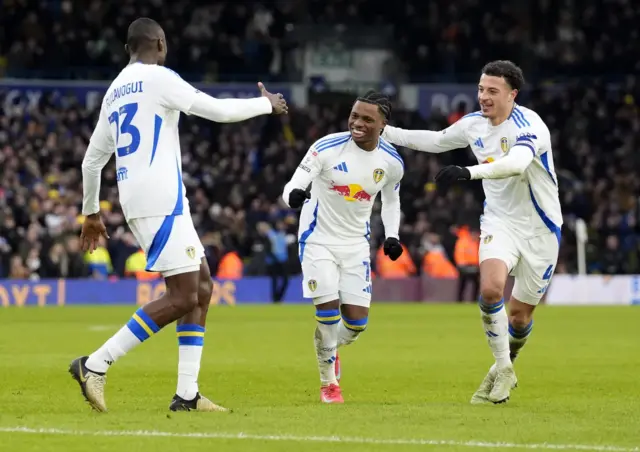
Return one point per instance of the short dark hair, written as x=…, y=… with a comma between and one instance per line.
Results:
x=506, y=69
x=379, y=99
x=142, y=31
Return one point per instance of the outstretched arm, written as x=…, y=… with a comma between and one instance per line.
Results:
x=177, y=94
x=453, y=137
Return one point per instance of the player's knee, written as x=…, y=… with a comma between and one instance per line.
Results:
x=491, y=292
x=188, y=301
x=519, y=319
x=205, y=290
x=355, y=318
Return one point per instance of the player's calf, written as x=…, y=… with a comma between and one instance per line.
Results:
x=355, y=318
x=520, y=325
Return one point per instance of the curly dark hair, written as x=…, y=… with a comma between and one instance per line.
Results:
x=379, y=99
x=506, y=69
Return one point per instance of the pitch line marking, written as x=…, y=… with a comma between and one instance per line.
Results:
x=320, y=439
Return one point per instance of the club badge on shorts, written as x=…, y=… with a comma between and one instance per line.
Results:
x=313, y=285
x=488, y=239
x=378, y=174
x=191, y=252
x=504, y=144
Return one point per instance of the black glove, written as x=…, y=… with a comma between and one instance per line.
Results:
x=392, y=248
x=297, y=197
x=449, y=174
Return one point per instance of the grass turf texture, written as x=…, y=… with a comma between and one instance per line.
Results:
x=410, y=376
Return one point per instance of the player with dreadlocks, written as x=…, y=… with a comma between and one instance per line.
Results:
x=347, y=169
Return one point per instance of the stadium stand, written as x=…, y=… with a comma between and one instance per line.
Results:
x=235, y=173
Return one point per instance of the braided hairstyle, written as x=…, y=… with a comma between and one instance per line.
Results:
x=379, y=99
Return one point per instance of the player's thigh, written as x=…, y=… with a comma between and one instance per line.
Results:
x=355, y=275
x=171, y=243
x=498, y=243
x=535, y=269
x=319, y=272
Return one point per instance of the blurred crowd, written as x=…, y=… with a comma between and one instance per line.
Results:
x=235, y=173
x=435, y=40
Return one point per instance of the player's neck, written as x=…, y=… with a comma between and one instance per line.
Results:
x=503, y=117
x=144, y=59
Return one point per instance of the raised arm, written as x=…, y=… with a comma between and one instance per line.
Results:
x=390, y=212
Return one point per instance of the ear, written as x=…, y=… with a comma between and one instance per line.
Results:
x=514, y=93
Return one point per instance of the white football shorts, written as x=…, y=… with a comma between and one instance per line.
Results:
x=336, y=272
x=531, y=261
x=171, y=243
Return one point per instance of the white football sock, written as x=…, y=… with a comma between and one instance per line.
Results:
x=137, y=330
x=350, y=330
x=496, y=326
x=326, y=342
x=190, y=344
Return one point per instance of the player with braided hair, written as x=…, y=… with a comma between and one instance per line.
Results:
x=348, y=170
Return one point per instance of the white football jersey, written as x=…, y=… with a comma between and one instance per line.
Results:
x=139, y=122
x=528, y=203
x=345, y=182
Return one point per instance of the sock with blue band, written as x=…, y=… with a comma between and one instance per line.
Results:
x=137, y=330
x=350, y=330
x=496, y=324
x=190, y=343
x=518, y=337
x=326, y=342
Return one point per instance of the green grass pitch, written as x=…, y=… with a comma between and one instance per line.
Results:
x=407, y=383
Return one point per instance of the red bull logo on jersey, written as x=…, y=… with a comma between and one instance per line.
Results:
x=489, y=160
x=351, y=192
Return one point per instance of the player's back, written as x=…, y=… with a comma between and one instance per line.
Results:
x=529, y=202
x=343, y=193
x=141, y=109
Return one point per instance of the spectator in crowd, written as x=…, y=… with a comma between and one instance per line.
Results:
x=467, y=260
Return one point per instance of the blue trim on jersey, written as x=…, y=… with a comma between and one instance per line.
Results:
x=520, y=114
x=159, y=241
x=328, y=143
x=386, y=147
x=544, y=158
x=545, y=219
x=305, y=235
x=469, y=115
x=180, y=201
x=516, y=119
x=528, y=146
x=156, y=136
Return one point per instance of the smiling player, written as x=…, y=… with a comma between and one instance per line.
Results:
x=520, y=228
x=347, y=169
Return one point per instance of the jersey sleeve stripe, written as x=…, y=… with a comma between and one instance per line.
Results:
x=470, y=115
x=516, y=119
x=391, y=151
x=545, y=219
x=526, y=145
x=331, y=144
x=325, y=140
x=521, y=116
x=544, y=158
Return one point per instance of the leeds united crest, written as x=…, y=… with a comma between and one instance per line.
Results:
x=378, y=174
x=313, y=285
x=504, y=144
x=191, y=252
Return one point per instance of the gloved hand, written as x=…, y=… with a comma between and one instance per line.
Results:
x=297, y=197
x=392, y=248
x=449, y=174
